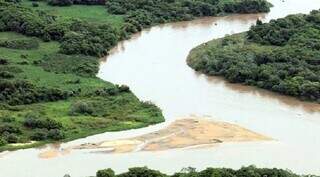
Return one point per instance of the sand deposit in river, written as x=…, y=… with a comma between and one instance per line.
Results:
x=182, y=133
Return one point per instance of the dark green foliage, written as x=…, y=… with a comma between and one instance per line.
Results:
x=71, y=2
x=282, y=56
x=3, y=61
x=19, y=92
x=6, y=75
x=81, y=108
x=60, y=2
x=80, y=65
x=247, y=6
x=89, y=39
x=23, y=20
x=9, y=128
x=142, y=172
x=20, y=44
x=39, y=134
x=106, y=173
x=34, y=121
x=34, y=4
x=250, y=171
x=2, y=141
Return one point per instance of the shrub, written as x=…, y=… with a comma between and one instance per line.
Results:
x=105, y=173
x=60, y=2
x=36, y=122
x=81, y=108
x=56, y=134
x=17, y=92
x=34, y=4
x=11, y=138
x=21, y=43
x=39, y=134
x=2, y=141
x=3, y=61
x=123, y=88
x=8, y=128
x=6, y=75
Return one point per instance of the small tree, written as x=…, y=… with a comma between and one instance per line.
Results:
x=106, y=173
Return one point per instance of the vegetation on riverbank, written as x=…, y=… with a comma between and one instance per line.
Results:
x=46, y=96
x=250, y=171
x=281, y=56
x=49, y=54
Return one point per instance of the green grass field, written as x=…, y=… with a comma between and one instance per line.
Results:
x=93, y=13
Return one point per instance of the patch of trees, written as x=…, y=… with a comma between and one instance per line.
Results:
x=23, y=20
x=144, y=13
x=74, y=64
x=18, y=92
x=89, y=39
x=75, y=36
x=287, y=61
x=246, y=6
x=31, y=43
x=43, y=128
x=249, y=171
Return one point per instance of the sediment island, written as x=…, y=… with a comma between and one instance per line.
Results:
x=281, y=56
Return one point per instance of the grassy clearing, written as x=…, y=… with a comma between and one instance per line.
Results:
x=93, y=13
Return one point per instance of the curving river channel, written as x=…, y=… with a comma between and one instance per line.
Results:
x=153, y=64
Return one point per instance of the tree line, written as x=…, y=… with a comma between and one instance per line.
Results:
x=144, y=13
x=250, y=171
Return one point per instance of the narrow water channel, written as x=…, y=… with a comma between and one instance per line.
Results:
x=153, y=64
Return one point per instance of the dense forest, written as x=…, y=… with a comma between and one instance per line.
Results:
x=250, y=171
x=281, y=56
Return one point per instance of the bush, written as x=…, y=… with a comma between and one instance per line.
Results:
x=6, y=75
x=39, y=134
x=105, y=173
x=36, y=122
x=60, y=2
x=34, y=4
x=20, y=44
x=81, y=108
x=17, y=92
x=2, y=141
x=3, y=61
x=89, y=39
x=9, y=128
x=11, y=138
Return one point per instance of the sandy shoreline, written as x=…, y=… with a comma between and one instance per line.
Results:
x=182, y=133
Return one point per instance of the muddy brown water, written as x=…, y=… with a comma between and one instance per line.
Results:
x=153, y=64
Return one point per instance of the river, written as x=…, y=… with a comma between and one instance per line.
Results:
x=153, y=64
